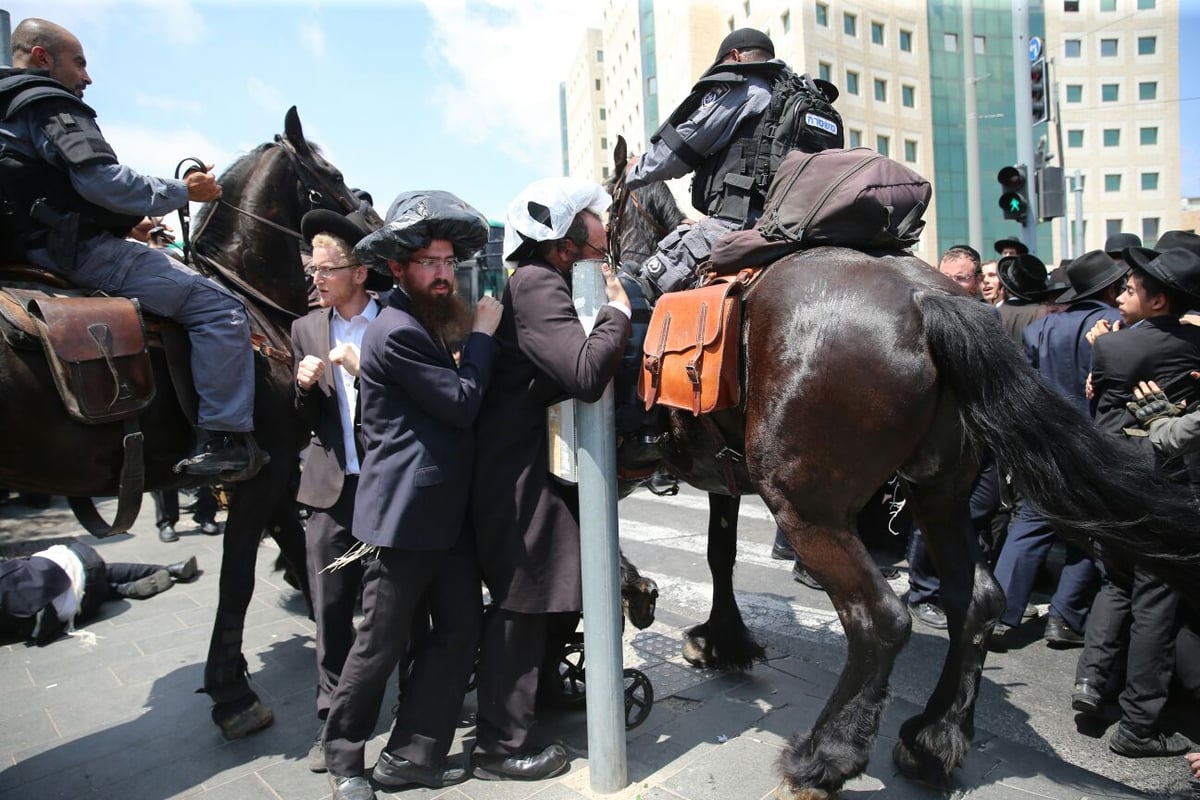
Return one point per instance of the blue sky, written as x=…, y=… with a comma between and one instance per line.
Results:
x=401, y=94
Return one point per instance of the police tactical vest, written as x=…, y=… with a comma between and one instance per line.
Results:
x=800, y=115
x=70, y=125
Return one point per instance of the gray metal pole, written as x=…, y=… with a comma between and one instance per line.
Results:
x=1060, y=154
x=1077, y=188
x=5, y=39
x=974, y=212
x=1023, y=116
x=596, y=435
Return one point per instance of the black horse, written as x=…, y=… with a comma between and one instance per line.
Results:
x=249, y=241
x=859, y=367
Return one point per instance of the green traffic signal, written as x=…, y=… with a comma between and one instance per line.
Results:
x=1013, y=201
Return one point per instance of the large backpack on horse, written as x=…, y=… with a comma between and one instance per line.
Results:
x=853, y=198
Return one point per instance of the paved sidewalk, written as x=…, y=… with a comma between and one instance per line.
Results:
x=114, y=714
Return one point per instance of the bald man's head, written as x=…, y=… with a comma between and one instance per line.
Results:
x=40, y=44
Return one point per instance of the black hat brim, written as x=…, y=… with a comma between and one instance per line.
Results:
x=322, y=220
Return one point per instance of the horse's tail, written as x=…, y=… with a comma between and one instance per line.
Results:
x=1085, y=482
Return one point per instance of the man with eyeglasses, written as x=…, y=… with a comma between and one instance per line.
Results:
x=325, y=346
x=526, y=521
x=418, y=409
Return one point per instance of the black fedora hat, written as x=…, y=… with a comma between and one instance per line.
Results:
x=1178, y=267
x=1118, y=242
x=1025, y=277
x=1000, y=244
x=1186, y=240
x=351, y=229
x=1091, y=274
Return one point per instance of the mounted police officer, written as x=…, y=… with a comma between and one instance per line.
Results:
x=731, y=131
x=66, y=205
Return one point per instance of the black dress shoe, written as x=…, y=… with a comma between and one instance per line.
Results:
x=1059, y=634
x=184, y=571
x=355, y=788
x=801, y=575
x=782, y=552
x=1124, y=742
x=1085, y=698
x=929, y=614
x=393, y=771
x=537, y=766
x=167, y=534
x=147, y=587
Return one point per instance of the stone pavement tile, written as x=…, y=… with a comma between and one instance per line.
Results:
x=70, y=659
x=54, y=694
x=14, y=671
x=248, y=787
x=31, y=728
x=123, y=612
x=293, y=781
x=741, y=768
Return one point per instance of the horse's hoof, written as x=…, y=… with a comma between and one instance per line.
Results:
x=786, y=791
x=694, y=653
x=236, y=724
x=916, y=769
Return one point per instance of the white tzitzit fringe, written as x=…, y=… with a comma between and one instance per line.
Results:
x=359, y=551
x=895, y=504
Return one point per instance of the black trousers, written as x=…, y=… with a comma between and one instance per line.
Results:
x=166, y=506
x=510, y=661
x=1144, y=608
x=334, y=593
x=395, y=585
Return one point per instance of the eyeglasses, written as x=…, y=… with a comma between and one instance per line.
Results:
x=434, y=263
x=326, y=273
x=602, y=254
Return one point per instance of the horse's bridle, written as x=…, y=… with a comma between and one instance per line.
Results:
x=626, y=195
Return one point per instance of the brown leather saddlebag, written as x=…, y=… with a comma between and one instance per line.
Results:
x=97, y=353
x=692, y=348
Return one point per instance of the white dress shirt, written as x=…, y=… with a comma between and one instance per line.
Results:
x=349, y=331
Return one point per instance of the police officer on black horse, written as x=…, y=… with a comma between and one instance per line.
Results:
x=66, y=205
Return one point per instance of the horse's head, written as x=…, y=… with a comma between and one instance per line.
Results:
x=638, y=218
x=253, y=231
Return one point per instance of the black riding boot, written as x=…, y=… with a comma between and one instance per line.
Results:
x=217, y=452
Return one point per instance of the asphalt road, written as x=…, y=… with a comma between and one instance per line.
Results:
x=1025, y=694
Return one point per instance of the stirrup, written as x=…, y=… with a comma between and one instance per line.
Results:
x=662, y=488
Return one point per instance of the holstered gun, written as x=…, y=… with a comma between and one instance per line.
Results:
x=63, y=241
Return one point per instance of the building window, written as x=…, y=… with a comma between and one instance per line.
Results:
x=1075, y=138
x=786, y=19
x=1108, y=5
x=855, y=139
x=1113, y=226
x=849, y=24
x=1148, y=135
x=851, y=82
x=910, y=151
x=908, y=96
x=824, y=70
x=605, y=173
x=823, y=15
x=1149, y=181
x=981, y=45
x=876, y=33
x=1071, y=6
x=1072, y=48
x=881, y=90
x=1149, y=231
x=1112, y=137
x=1145, y=5
x=1112, y=182
x=1110, y=92
x=1147, y=45
x=1108, y=48
x=603, y=115
x=950, y=42
x=1148, y=90
x=599, y=56
x=1074, y=92
x=883, y=144
x=746, y=7
x=906, y=41
x=597, y=84
x=603, y=142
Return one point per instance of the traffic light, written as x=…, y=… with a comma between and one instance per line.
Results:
x=1013, y=201
x=1039, y=102
x=1051, y=193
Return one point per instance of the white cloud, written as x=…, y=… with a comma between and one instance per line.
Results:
x=498, y=65
x=153, y=151
x=165, y=104
x=312, y=38
x=265, y=96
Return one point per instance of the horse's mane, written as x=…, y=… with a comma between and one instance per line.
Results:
x=232, y=181
x=660, y=204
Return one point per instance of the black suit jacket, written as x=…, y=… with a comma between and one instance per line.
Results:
x=418, y=413
x=1161, y=349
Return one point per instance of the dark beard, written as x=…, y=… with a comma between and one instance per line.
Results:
x=445, y=317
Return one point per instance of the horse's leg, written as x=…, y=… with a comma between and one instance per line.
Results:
x=935, y=741
x=723, y=642
x=287, y=530
x=815, y=764
x=236, y=708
